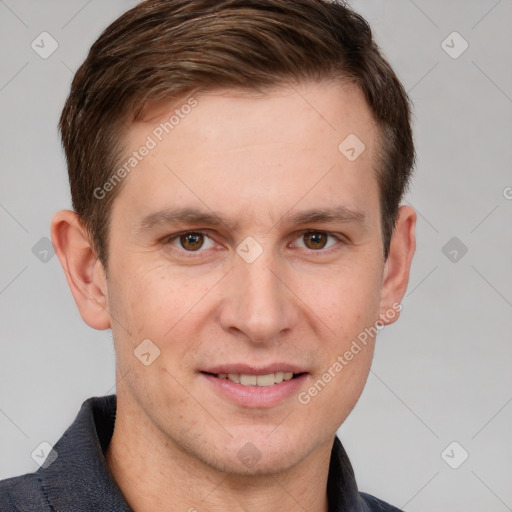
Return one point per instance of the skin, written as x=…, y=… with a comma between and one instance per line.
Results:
x=255, y=159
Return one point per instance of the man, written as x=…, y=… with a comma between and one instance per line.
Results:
x=236, y=169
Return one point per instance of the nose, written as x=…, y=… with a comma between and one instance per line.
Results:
x=258, y=304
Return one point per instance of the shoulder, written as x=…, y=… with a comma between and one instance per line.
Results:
x=22, y=493
x=77, y=478
x=373, y=504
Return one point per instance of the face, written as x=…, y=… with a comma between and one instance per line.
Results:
x=246, y=243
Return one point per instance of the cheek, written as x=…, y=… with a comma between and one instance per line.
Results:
x=164, y=306
x=345, y=298
x=337, y=387
x=151, y=298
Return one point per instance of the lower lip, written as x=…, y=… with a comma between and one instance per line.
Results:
x=256, y=396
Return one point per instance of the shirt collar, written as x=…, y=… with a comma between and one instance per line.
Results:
x=80, y=478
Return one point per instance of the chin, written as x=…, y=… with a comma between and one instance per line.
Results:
x=255, y=463
x=266, y=453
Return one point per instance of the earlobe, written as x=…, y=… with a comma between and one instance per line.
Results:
x=398, y=265
x=84, y=273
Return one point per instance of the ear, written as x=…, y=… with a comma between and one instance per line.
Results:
x=84, y=272
x=398, y=265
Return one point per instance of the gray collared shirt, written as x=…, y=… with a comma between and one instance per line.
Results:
x=76, y=477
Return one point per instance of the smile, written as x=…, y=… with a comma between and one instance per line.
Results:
x=257, y=380
x=261, y=389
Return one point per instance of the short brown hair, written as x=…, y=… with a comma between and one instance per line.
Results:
x=168, y=49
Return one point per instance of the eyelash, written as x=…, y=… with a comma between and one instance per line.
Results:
x=339, y=238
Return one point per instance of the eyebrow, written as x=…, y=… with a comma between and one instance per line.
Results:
x=340, y=214
x=195, y=216
x=181, y=216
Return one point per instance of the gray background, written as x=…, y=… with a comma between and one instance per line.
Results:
x=441, y=374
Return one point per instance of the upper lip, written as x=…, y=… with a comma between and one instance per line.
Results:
x=247, y=369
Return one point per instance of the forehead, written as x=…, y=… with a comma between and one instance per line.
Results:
x=245, y=152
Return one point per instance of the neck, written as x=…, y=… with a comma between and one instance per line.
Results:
x=154, y=473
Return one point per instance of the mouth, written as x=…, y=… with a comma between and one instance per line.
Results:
x=257, y=388
x=260, y=380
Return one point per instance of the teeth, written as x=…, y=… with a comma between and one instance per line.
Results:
x=257, y=380
x=248, y=380
x=265, y=380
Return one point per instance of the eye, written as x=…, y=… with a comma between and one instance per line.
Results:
x=192, y=241
x=316, y=240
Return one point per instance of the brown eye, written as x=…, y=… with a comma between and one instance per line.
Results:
x=315, y=240
x=192, y=241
